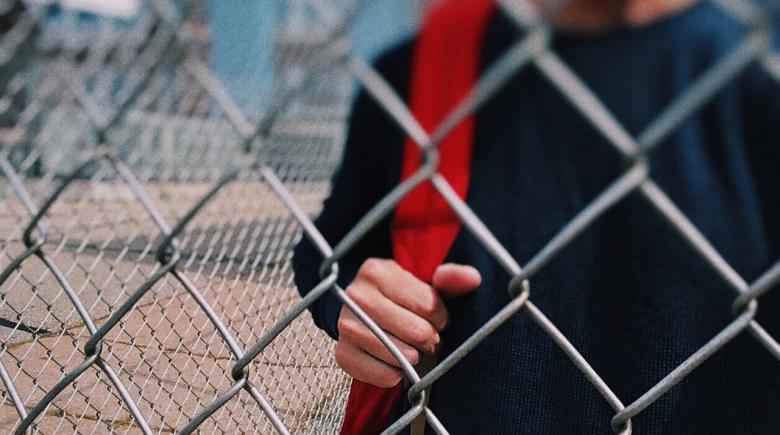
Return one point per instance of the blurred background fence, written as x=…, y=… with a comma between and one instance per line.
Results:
x=162, y=99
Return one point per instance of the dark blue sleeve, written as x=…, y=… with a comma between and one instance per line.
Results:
x=762, y=132
x=370, y=168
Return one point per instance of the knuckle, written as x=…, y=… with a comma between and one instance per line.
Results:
x=351, y=290
x=346, y=327
x=421, y=333
x=428, y=303
x=354, y=329
x=355, y=293
x=372, y=269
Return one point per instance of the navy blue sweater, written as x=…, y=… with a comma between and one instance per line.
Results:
x=629, y=293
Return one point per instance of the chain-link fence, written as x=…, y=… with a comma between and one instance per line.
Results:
x=148, y=218
x=112, y=131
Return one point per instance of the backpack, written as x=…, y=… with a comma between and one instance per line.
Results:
x=445, y=67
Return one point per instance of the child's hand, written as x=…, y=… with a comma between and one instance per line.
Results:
x=410, y=311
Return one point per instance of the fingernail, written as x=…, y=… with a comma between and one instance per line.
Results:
x=472, y=272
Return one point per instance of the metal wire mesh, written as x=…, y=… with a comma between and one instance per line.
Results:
x=147, y=223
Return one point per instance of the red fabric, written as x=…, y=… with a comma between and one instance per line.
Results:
x=445, y=68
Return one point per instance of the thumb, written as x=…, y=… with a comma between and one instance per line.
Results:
x=452, y=280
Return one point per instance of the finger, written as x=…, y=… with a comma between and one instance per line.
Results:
x=353, y=330
x=403, y=288
x=393, y=318
x=364, y=367
x=452, y=280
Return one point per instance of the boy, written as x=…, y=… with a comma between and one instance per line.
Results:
x=629, y=293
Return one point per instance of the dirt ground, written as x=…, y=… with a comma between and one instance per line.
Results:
x=166, y=351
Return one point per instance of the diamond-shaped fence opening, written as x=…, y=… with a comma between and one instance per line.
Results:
x=141, y=90
x=158, y=170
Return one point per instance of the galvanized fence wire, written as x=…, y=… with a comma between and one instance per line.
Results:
x=166, y=44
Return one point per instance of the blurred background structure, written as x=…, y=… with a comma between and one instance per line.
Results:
x=176, y=88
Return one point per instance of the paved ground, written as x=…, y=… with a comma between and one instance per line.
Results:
x=237, y=253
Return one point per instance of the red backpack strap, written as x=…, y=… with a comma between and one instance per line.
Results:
x=445, y=68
